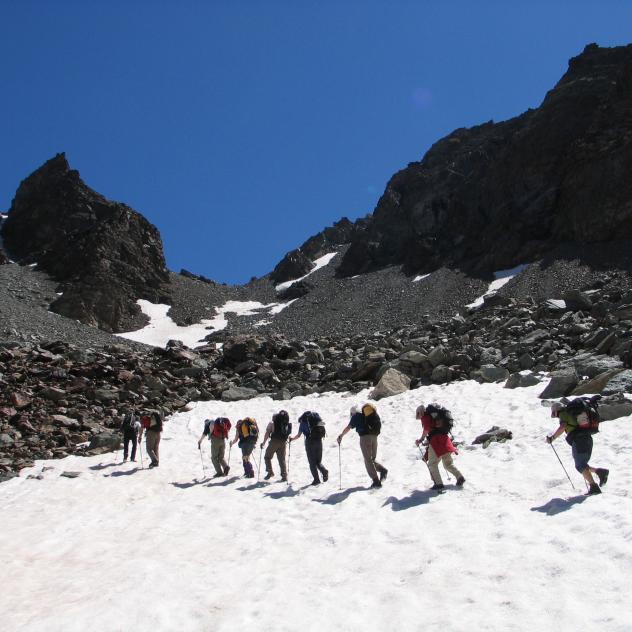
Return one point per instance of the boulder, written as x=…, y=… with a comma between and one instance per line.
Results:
x=492, y=373
x=521, y=380
x=495, y=433
x=621, y=382
x=393, y=382
x=236, y=393
x=105, y=441
x=562, y=383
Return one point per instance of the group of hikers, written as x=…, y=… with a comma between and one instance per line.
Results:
x=579, y=419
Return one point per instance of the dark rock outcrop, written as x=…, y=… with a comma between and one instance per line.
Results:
x=497, y=195
x=104, y=254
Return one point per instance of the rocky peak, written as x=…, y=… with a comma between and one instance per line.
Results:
x=104, y=254
x=500, y=194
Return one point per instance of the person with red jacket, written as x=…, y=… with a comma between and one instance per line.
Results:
x=439, y=446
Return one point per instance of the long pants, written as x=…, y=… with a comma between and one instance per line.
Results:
x=368, y=445
x=314, y=451
x=276, y=446
x=152, y=442
x=433, y=465
x=126, y=440
x=218, y=450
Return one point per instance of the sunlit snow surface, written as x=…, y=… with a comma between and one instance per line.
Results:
x=321, y=262
x=517, y=549
x=161, y=328
x=500, y=278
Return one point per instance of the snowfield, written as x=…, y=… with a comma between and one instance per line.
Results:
x=120, y=548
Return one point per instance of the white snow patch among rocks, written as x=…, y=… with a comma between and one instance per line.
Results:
x=500, y=278
x=321, y=262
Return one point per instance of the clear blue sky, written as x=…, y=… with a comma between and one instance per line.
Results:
x=240, y=128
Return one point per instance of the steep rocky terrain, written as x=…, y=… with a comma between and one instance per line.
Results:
x=104, y=254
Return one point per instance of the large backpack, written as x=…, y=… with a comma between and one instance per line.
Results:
x=315, y=423
x=157, y=418
x=372, y=421
x=586, y=412
x=441, y=418
x=248, y=428
x=128, y=425
x=221, y=426
x=282, y=425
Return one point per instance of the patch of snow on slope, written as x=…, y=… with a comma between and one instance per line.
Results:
x=420, y=277
x=121, y=548
x=321, y=262
x=500, y=278
x=161, y=328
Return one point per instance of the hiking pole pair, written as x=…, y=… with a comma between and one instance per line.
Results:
x=562, y=464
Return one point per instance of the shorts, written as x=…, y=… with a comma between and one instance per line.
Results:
x=582, y=451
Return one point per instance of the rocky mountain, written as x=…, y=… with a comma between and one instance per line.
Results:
x=103, y=254
x=501, y=194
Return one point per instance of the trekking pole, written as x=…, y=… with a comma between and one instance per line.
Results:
x=259, y=464
x=562, y=464
x=201, y=459
x=289, y=457
x=140, y=451
x=339, y=468
x=230, y=447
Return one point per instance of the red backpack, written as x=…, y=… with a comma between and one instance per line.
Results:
x=221, y=427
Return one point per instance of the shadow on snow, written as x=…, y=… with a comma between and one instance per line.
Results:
x=558, y=505
x=419, y=497
x=334, y=499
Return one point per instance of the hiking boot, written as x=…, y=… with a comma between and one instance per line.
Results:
x=217, y=475
x=437, y=486
x=315, y=482
x=383, y=475
x=594, y=489
x=284, y=479
x=226, y=470
x=268, y=476
x=376, y=484
x=125, y=460
x=602, y=473
x=325, y=474
x=134, y=461
x=460, y=481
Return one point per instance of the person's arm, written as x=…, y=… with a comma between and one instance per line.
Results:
x=343, y=433
x=557, y=433
x=236, y=435
x=269, y=429
x=298, y=434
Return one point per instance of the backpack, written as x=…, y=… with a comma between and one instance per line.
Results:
x=128, y=425
x=157, y=426
x=248, y=428
x=221, y=426
x=586, y=413
x=442, y=419
x=315, y=424
x=282, y=425
x=372, y=421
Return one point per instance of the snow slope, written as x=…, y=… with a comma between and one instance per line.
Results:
x=120, y=548
x=502, y=277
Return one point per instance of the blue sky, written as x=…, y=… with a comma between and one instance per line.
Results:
x=240, y=128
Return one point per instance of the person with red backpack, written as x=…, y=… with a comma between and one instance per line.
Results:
x=278, y=431
x=246, y=433
x=217, y=431
x=436, y=423
x=579, y=419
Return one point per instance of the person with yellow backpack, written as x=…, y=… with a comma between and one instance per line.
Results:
x=366, y=422
x=246, y=433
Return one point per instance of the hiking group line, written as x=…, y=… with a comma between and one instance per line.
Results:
x=578, y=418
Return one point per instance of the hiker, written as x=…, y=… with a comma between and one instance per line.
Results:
x=312, y=427
x=217, y=431
x=367, y=424
x=579, y=437
x=278, y=431
x=152, y=425
x=436, y=423
x=246, y=432
x=130, y=427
